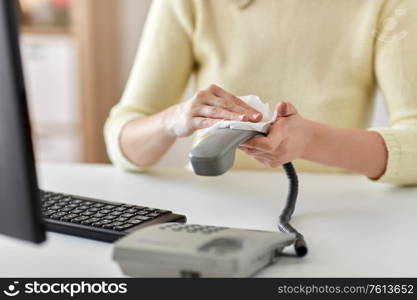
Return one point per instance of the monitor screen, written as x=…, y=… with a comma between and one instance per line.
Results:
x=20, y=215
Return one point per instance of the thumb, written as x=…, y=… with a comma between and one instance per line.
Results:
x=285, y=109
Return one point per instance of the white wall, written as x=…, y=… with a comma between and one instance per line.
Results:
x=380, y=116
x=50, y=69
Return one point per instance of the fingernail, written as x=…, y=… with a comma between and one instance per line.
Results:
x=242, y=117
x=255, y=116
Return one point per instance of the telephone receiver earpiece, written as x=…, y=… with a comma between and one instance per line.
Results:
x=214, y=155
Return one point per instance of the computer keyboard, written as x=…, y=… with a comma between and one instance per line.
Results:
x=98, y=219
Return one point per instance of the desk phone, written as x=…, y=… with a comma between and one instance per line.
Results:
x=191, y=250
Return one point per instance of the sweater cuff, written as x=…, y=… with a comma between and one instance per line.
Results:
x=394, y=155
x=112, y=132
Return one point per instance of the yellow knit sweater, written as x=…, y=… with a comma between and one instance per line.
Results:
x=327, y=57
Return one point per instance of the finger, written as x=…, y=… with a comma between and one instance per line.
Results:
x=272, y=141
x=291, y=109
x=200, y=122
x=216, y=112
x=253, y=114
x=243, y=147
x=251, y=151
x=229, y=106
x=264, y=144
x=233, y=103
x=272, y=157
x=285, y=109
x=206, y=97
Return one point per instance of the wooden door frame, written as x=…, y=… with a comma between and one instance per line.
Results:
x=95, y=26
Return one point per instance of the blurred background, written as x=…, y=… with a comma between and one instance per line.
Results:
x=77, y=55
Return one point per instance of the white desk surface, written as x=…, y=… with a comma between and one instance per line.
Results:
x=353, y=227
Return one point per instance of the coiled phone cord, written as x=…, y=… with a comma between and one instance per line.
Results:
x=284, y=225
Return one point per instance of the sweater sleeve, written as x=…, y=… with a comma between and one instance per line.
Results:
x=396, y=73
x=160, y=72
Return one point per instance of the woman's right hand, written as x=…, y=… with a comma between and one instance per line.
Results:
x=206, y=108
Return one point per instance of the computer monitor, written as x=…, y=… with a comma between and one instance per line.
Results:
x=20, y=214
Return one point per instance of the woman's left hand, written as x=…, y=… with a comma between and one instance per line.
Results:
x=287, y=139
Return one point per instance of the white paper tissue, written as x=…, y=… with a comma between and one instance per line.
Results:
x=261, y=126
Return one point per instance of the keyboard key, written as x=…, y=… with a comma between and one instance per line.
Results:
x=128, y=225
x=94, y=209
x=57, y=206
x=98, y=224
x=120, y=208
x=153, y=215
x=121, y=219
x=149, y=209
x=83, y=207
x=118, y=228
x=76, y=201
x=109, y=206
x=116, y=223
x=99, y=205
x=142, y=212
x=69, y=217
x=135, y=221
x=123, y=227
x=104, y=211
x=110, y=217
x=79, y=219
x=66, y=209
x=89, y=221
x=77, y=211
x=163, y=212
x=111, y=225
x=58, y=215
x=116, y=213
x=101, y=223
x=88, y=213
x=98, y=215
x=138, y=207
x=143, y=218
x=49, y=212
x=132, y=210
x=127, y=215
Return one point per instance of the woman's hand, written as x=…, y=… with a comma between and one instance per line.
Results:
x=287, y=139
x=206, y=108
x=292, y=137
